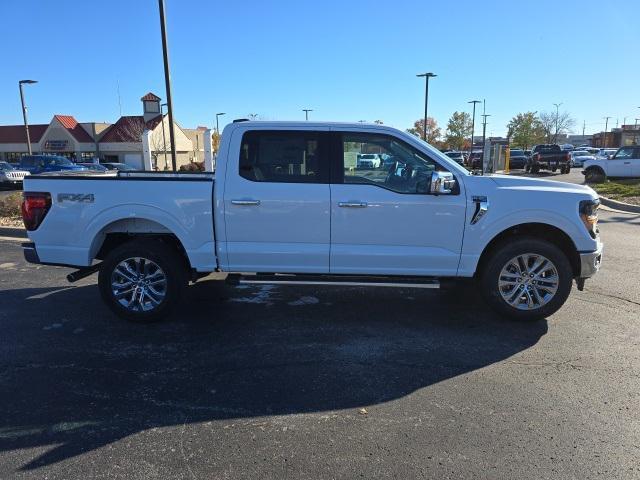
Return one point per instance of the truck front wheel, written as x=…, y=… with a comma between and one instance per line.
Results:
x=142, y=280
x=526, y=279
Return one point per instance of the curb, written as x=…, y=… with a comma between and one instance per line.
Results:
x=625, y=207
x=16, y=234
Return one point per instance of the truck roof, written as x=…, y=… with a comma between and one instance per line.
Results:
x=307, y=124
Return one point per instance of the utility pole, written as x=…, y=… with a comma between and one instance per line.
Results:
x=426, y=76
x=584, y=124
x=306, y=112
x=164, y=139
x=606, y=125
x=24, y=111
x=555, y=137
x=167, y=82
x=473, y=124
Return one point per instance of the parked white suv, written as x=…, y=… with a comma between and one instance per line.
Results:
x=287, y=207
x=9, y=176
x=625, y=163
x=369, y=160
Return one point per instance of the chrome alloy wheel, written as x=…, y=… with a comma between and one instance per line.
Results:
x=138, y=284
x=528, y=281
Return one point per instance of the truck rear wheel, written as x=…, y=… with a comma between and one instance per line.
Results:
x=142, y=280
x=526, y=279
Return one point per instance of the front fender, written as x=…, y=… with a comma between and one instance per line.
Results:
x=478, y=236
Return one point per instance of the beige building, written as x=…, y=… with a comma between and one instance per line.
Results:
x=118, y=142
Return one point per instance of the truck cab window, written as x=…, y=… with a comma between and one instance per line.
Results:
x=283, y=157
x=381, y=160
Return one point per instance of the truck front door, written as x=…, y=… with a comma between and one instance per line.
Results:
x=383, y=221
x=620, y=165
x=276, y=202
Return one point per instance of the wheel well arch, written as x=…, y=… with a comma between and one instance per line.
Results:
x=122, y=231
x=597, y=168
x=543, y=231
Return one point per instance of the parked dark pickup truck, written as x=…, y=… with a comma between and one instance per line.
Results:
x=549, y=157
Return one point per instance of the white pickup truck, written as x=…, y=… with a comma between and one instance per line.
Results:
x=282, y=208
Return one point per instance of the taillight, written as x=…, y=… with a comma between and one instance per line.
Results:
x=568, y=156
x=35, y=206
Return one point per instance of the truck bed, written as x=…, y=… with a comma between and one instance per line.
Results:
x=86, y=207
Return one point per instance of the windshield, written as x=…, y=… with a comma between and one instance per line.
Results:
x=367, y=156
x=4, y=166
x=56, y=161
x=517, y=152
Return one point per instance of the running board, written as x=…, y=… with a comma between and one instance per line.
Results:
x=337, y=280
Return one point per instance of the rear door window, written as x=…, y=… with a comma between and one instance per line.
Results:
x=284, y=157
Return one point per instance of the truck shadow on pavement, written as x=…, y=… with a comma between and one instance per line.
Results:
x=74, y=378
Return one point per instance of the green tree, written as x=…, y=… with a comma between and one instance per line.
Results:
x=433, y=131
x=458, y=127
x=526, y=130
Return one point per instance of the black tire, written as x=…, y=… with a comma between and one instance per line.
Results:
x=535, y=169
x=152, y=251
x=491, y=275
x=594, y=175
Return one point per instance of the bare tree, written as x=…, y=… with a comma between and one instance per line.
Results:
x=555, y=125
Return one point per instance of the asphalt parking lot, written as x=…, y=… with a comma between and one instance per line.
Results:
x=290, y=382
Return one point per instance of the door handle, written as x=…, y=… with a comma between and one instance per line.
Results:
x=352, y=204
x=245, y=202
x=627, y=163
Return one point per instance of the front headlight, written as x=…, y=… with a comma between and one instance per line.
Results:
x=589, y=215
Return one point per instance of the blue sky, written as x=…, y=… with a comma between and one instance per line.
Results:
x=348, y=60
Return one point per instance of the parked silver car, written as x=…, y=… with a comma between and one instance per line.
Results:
x=578, y=157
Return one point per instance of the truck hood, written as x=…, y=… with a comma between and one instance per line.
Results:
x=541, y=185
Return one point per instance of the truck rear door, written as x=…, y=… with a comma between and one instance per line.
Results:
x=276, y=201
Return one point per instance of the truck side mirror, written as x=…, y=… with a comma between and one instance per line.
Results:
x=442, y=183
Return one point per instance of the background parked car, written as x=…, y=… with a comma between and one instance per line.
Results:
x=94, y=167
x=10, y=177
x=117, y=166
x=457, y=156
x=549, y=157
x=475, y=160
x=35, y=164
x=578, y=157
x=606, y=153
x=368, y=160
x=517, y=159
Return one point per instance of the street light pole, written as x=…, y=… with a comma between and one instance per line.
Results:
x=606, y=125
x=164, y=140
x=555, y=137
x=473, y=124
x=24, y=112
x=167, y=82
x=306, y=112
x=217, y=125
x=426, y=76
